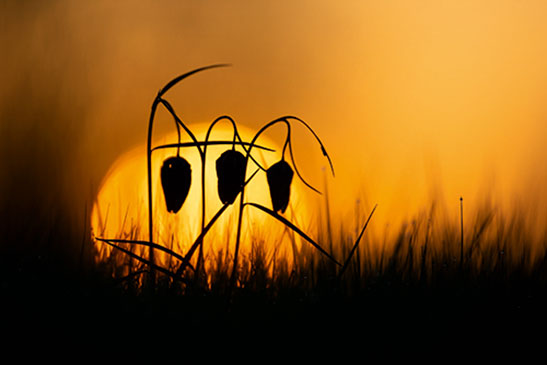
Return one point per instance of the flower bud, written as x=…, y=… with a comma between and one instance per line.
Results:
x=176, y=176
x=231, y=166
x=279, y=177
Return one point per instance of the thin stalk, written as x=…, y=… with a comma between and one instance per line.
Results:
x=212, y=143
x=157, y=100
x=171, y=110
x=284, y=119
x=199, y=240
x=327, y=208
x=242, y=198
x=152, y=273
x=346, y=263
x=203, y=154
x=461, y=233
x=236, y=135
x=238, y=237
x=323, y=150
x=202, y=220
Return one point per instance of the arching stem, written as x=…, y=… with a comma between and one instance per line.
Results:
x=323, y=150
x=233, y=276
x=285, y=120
x=152, y=273
x=157, y=100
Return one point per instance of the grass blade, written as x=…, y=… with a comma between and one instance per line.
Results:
x=210, y=143
x=145, y=243
x=356, y=243
x=145, y=261
x=199, y=240
x=294, y=228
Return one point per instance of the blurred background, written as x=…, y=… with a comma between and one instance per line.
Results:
x=415, y=101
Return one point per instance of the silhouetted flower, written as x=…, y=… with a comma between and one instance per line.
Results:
x=279, y=179
x=231, y=166
x=176, y=176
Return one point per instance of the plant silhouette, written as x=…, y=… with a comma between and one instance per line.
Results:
x=231, y=167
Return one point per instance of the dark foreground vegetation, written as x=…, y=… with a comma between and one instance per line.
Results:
x=414, y=292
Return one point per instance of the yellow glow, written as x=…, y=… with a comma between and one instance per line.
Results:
x=414, y=100
x=121, y=209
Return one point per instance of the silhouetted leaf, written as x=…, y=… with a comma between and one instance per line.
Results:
x=294, y=228
x=206, y=229
x=210, y=143
x=178, y=79
x=357, y=242
x=145, y=261
x=147, y=244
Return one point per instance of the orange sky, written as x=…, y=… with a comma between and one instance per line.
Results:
x=405, y=94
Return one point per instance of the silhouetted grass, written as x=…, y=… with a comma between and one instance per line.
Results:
x=414, y=280
x=409, y=290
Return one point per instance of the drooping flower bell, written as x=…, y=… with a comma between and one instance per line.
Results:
x=176, y=176
x=279, y=177
x=231, y=166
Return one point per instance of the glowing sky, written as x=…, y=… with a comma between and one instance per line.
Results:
x=405, y=94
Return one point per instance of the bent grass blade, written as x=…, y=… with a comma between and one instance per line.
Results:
x=145, y=261
x=205, y=230
x=294, y=228
x=211, y=143
x=147, y=244
x=178, y=79
x=346, y=263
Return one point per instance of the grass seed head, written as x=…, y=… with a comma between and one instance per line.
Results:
x=279, y=177
x=230, y=166
x=176, y=176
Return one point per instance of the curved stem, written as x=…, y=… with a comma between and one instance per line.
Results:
x=210, y=143
x=178, y=79
x=152, y=274
x=178, y=138
x=287, y=142
x=170, y=109
x=236, y=135
x=285, y=120
x=298, y=172
x=266, y=126
x=323, y=150
x=242, y=198
x=158, y=99
x=168, y=106
x=203, y=201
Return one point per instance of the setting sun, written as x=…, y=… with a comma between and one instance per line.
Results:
x=121, y=209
